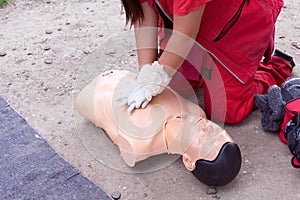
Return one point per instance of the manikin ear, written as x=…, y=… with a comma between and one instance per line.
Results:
x=188, y=163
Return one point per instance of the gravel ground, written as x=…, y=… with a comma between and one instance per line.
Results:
x=51, y=48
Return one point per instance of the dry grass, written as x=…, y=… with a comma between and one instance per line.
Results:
x=3, y=3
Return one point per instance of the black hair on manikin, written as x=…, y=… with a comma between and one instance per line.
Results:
x=223, y=169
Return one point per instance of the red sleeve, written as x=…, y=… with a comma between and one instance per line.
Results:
x=183, y=7
x=143, y=1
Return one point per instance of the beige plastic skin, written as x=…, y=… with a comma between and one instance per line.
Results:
x=169, y=124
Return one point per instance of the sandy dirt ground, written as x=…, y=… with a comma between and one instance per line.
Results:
x=49, y=49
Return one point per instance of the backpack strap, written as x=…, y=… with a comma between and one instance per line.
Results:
x=293, y=138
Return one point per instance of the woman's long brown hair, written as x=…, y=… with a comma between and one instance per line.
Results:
x=133, y=11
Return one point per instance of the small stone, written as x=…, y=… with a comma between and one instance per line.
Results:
x=211, y=190
x=48, y=1
x=48, y=32
x=110, y=52
x=281, y=36
x=116, y=195
x=2, y=53
x=45, y=88
x=215, y=196
x=59, y=122
x=48, y=61
x=145, y=195
x=59, y=29
x=8, y=84
x=68, y=23
x=101, y=35
x=46, y=48
x=295, y=44
x=20, y=60
x=29, y=53
x=14, y=48
x=87, y=52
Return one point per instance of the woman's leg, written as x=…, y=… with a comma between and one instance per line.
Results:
x=228, y=100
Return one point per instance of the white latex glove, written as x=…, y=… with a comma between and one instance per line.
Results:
x=151, y=81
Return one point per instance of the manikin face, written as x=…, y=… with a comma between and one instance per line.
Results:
x=195, y=138
x=175, y=125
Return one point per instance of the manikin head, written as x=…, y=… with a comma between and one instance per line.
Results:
x=177, y=126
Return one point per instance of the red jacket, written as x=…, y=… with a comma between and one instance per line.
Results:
x=237, y=33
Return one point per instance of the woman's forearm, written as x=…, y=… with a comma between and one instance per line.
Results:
x=180, y=43
x=146, y=36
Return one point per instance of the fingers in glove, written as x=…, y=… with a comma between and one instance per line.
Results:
x=131, y=107
x=145, y=104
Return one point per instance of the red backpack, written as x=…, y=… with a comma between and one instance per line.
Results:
x=290, y=129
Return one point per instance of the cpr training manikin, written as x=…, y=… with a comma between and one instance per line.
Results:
x=169, y=124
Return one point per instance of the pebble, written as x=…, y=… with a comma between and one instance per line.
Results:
x=20, y=60
x=48, y=32
x=87, y=51
x=216, y=196
x=68, y=23
x=101, y=35
x=211, y=190
x=46, y=48
x=48, y=61
x=59, y=29
x=116, y=195
x=45, y=88
x=2, y=53
x=295, y=44
x=110, y=52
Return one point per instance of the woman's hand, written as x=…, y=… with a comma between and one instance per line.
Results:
x=151, y=81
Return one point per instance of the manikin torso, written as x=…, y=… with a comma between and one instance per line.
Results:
x=169, y=124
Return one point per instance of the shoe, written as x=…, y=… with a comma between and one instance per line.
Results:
x=280, y=54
